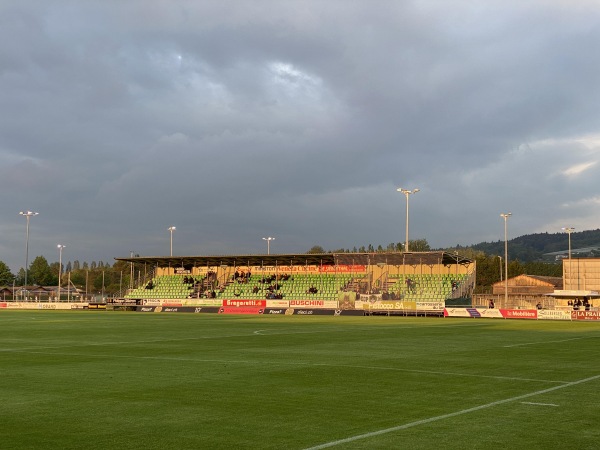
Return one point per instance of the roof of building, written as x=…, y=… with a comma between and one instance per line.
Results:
x=396, y=258
x=556, y=282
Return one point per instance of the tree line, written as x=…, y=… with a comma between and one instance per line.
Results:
x=94, y=278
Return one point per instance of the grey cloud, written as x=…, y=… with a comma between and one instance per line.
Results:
x=232, y=120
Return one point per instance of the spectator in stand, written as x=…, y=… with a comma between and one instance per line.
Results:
x=491, y=304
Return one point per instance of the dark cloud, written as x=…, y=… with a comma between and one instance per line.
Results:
x=237, y=120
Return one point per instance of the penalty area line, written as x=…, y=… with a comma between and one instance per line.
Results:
x=447, y=416
x=546, y=342
x=539, y=404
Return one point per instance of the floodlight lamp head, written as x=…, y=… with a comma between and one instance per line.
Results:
x=407, y=192
x=28, y=213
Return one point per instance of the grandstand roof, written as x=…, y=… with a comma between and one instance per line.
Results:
x=409, y=258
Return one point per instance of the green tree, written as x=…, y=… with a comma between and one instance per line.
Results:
x=488, y=272
x=20, y=278
x=40, y=273
x=419, y=245
x=54, y=271
x=315, y=250
x=78, y=278
x=6, y=276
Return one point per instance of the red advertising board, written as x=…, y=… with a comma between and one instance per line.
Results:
x=519, y=313
x=239, y=302
x=585, y=315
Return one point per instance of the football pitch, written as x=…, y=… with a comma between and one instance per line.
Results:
x=123, y=380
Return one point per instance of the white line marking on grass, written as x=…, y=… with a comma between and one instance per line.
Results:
x=279, y=363
x=447, y=416
x=539, y=404
x=435, y=372
x=546, y=342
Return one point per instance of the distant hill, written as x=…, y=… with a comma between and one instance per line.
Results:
x=535, y=247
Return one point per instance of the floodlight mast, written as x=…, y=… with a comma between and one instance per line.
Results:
x=407, y=192
x=60, y=249
x=28, y=215
x=505, y=216
x=171, y=229
x=569, y=230
x=268, y=239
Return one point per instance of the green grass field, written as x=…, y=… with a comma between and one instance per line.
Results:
x=83, y=379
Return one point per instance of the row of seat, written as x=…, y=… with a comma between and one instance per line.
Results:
x=296, y=287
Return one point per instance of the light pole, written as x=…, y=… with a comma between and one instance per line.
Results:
x=269, y=239
x=406, y=192
x=171, y=229
x=131, y=271
x=505, y=216
x=60, y=249
x=28, y=215
x=569, y=230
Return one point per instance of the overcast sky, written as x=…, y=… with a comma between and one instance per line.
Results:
x=236, y=120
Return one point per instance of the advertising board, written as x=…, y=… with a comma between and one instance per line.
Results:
x=238, y=303
x=489, y=313
x=553, y=314
x=278, y=304
x=386, y=305
x=43, y=305
x=456, y=312
x=585, y=315
x=519, y=313
x=331, y=304
x=430, y=306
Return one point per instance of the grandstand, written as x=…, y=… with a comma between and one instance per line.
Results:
x=362, y=281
